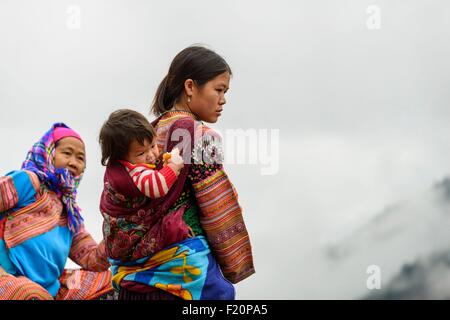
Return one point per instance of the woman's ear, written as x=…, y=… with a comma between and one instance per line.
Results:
x=189, y=86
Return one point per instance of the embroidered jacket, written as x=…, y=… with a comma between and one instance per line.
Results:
x=35, y=241
x=202, y=201
x=210, y=190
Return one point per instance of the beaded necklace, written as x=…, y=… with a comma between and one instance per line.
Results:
x=184, y=111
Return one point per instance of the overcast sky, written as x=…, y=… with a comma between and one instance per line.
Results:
x=357, y=89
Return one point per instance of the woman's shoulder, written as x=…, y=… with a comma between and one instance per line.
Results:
x=34, y=180
x=203, y=130
x=184, y=123
x=24, y=178
x=207, y=146
x=173, y=119
x=18, y=189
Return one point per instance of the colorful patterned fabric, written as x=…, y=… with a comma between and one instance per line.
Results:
x=75, y=285
x=136, y=226
x=35, y=241
x=8, y=194
x=127, y=294
x=26, y=222
x=84, y=285
x=220, y=212
x=40, y=161
x=152, y=183
x=221, y=218
x=21, y=288
x=186, y=270
x=85, y=252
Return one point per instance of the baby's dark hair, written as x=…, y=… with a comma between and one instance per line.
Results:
x=118, y=132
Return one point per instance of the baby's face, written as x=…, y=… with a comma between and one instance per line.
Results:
x=143, y=153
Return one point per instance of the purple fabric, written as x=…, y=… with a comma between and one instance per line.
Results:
x=120, y=181
x=138, y=226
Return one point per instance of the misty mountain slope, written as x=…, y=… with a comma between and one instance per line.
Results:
x=408, y=241
x=426, y=278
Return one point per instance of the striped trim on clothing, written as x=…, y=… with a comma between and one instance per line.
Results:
x=35, y=219
x=223, y=223
x=86, y=253
x=8, y=194
x=75, y=285
x=84, y=285
x=21, y=288
x=164, y=125
x=220, y=212
x=153, y=183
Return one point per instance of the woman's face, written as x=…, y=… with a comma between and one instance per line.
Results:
x=207, y=101
x=70, y=153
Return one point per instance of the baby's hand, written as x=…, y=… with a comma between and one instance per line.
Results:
x=176, y=167
x=166, y=157
x=175, y=161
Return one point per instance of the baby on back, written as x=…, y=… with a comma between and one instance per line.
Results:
x=128, y=138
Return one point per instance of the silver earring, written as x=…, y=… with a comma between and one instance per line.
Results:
x=189, y=99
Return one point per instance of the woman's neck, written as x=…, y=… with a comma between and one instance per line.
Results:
x=184, y=109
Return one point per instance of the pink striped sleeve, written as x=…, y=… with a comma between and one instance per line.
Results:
x=8, y=194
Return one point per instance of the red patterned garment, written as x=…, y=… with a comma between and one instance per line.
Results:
x=75, y=285
x=33, y=252
x=202, y=201
x=219, y=211
x=152, y=183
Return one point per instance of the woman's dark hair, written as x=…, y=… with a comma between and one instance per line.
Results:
x=195, y=62
x=120, y=130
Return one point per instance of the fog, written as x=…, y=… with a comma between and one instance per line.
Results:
x=357, y=91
